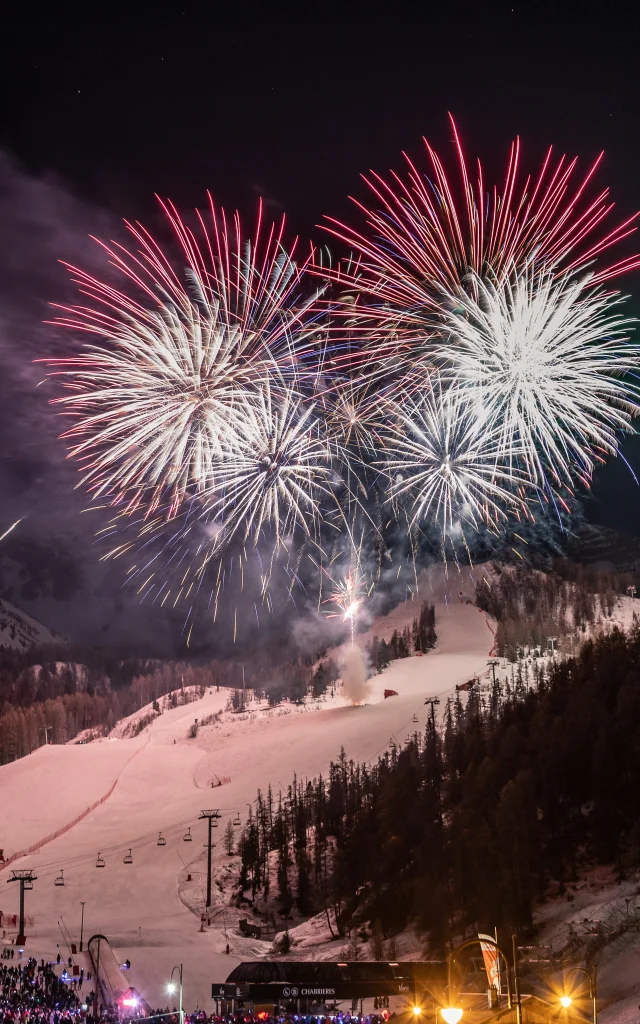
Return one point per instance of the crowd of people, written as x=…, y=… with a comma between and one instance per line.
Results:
x=38, y=992
x=34, y=993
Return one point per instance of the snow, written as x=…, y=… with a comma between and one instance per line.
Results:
x=49, y=788
x=19, y=631
x=163, y=781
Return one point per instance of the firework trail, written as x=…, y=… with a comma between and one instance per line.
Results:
x=11, y=528
x=176, y=355
x=540, y=361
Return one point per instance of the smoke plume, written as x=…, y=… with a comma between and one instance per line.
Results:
x=354, y=675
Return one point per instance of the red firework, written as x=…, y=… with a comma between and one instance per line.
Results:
x=173, y=350
x=422, y=242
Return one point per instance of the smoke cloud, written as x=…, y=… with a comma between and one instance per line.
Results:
x=355, y=680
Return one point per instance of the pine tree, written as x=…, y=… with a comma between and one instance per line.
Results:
x=229, y=838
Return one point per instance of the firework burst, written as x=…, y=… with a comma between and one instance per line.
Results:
x=177, y=354
x=421, y=241
x=275, y=469
x=471, y=361
x=540, y=360
x=447, y=465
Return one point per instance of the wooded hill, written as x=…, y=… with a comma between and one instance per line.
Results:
x=464, y=828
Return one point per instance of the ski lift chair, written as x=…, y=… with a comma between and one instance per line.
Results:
x=60, y=879
x=128, y=859
x=187, y=837
x=100, y=862
x=236, y=820
x=415, y=718
x=161, y=840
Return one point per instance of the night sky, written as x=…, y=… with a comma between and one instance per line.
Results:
x=99, y=113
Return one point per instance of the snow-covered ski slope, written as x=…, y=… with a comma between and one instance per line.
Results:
x=161, y=780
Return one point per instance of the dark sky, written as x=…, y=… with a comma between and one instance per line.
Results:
x=101, y=110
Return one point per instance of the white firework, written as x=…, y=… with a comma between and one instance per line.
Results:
x=446, y=464
x=540, y=361
x=275, y=470
x=152, y=400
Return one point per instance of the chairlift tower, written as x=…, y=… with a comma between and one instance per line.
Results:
x=492, y=662
x=212, y=818
x=26, y=879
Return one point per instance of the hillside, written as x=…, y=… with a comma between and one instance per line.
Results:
x=160, y=780
x=19, y=631
x=168, y=781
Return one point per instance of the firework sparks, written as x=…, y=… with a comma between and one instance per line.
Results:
x=448, y=463
x=472, y=359
x=348, y=594
x=275, y=469
x=153, y=400
x=540, y=360
x=420, y=242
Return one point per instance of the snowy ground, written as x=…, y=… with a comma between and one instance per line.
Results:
x=163, y=781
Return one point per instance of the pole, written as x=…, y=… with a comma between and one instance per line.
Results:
x=21, y=929
x=181, y=1013
x=98, y=977
x=211, y=816
x=81, y=924
x=208, y=872
x=516, y=981
x=594, y=994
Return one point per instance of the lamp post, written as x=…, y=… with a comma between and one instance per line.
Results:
x=81, y=924
x=171, y=987
x=453, y=1014
x=566, y=1000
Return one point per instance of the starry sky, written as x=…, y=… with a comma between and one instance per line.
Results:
x=102, y=108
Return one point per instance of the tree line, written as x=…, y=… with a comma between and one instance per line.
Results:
x=471, y=823
x=420, y=637
x=53, y=701
x=529, y=606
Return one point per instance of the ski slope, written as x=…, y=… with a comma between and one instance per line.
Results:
x=161, y=780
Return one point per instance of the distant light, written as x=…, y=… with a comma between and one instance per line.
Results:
x=129, y=1002
x=84, y=1006
x=416, y=1011
x=171, y=987
x=565, y=1001
x=451, y=1014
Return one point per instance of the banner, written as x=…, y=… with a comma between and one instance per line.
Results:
x=491, y=959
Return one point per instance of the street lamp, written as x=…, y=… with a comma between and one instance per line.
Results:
x=417, y=1010
x=566, y=1000
x=171, y=987
x=451, y=1014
